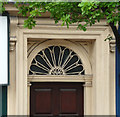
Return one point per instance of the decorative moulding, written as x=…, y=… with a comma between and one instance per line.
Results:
x=12, y=45
x=112, y=45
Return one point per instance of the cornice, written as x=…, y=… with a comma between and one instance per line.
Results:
x=49, y=21
x=13, y=11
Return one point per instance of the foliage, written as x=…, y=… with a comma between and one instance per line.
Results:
x=71, y=12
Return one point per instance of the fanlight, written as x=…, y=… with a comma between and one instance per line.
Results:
x=56, y=60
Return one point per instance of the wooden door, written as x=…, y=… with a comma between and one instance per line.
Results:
x=56, y=99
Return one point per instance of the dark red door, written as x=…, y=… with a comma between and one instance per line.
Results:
x=57, y=99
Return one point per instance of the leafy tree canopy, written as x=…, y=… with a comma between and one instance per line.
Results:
x=73, y=12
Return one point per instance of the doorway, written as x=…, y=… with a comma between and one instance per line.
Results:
x=57, y=99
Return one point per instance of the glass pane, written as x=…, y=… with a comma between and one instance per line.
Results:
x=56, y=60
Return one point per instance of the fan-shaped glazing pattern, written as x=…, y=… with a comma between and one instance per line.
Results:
x=56, y=60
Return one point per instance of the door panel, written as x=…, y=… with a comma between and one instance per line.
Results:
x=43, y=97
x=68, y=101
x=56, y=99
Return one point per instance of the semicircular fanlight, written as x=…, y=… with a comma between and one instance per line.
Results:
x=56, y=60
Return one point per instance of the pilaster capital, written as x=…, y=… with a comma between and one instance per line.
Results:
x=29, y=84
x=88, y=84
x=12, y=45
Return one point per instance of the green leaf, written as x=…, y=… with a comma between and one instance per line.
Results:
x=71, y=12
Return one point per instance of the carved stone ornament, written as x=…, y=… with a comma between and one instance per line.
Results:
x=112, y=45
x=12, y=45
x=29, y=84
x=88, y=84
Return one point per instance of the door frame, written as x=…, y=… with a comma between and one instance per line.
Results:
x=81, y=53
x=86, y=79
x=102, y=67
x=75, y=86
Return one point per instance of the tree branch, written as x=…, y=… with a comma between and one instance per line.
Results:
x=117, y=35
x=115, y=31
